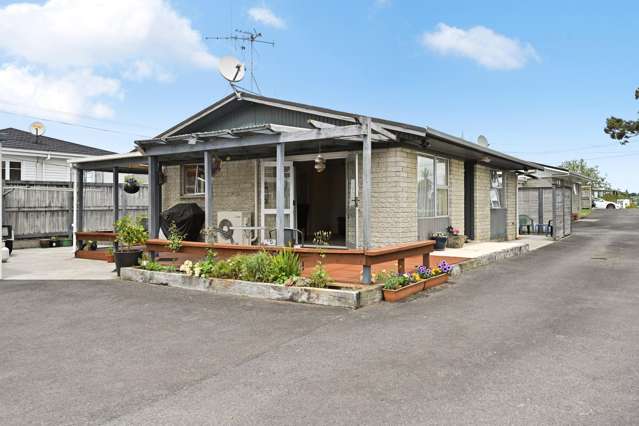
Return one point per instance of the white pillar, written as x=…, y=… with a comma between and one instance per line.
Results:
x=366, y=184
x=279, y=195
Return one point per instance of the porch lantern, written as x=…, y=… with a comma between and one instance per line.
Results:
x=320, y=163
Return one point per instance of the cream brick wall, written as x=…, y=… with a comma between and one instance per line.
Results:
x=233, y=188
x=511, y=205
x=394, y=196
x=482, y=203
x=456, y=194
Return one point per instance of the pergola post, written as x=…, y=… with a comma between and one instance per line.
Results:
x=209, y=221
x=78, y=206
x=116, y=200
x=154, y=198
x=366, y=195
x=279, y=194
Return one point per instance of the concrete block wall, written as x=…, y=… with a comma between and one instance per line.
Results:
x=510, y=186
x=233, y=188
x=456, y=194
x=482, y=203
x=393, y=197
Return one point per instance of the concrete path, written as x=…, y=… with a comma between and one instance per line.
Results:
x=547, y=338
x=54, y=264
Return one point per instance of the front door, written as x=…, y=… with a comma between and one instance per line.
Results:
x=269, y=207
x=352, y=201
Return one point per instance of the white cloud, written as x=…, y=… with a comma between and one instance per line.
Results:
x=100, y=33
x=483, y=45
x=382, y=3
x=73, y=53
x=266, y=16
x=26, y=91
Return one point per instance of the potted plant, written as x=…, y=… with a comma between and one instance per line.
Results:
x=130, y=234
x=440, y=240
x=131, y=185
x=55, y=242
x=455, y=239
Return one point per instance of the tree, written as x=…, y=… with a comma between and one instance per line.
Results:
x=592, y=172
x=622, y=130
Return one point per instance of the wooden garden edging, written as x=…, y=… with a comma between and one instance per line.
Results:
x=308, y=255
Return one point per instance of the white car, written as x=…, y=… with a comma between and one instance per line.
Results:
x=598, y=203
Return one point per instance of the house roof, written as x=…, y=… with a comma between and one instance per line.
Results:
x=439, y=141
x=19, y=139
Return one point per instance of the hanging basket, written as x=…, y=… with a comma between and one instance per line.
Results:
x=131, y=186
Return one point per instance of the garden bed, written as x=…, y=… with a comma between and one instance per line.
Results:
x=343, y=295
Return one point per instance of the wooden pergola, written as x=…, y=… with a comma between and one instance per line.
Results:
x=130, y=163
x=258, y=142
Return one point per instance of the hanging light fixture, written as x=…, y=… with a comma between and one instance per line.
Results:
x=320, y=162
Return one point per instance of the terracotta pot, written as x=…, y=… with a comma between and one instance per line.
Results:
x=409, y=290
x=435, y=281
x=404, y=292
x=456, y=241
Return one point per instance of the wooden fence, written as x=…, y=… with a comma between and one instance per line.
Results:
x=41, y=210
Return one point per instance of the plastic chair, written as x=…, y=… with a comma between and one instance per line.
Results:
x=526, y=221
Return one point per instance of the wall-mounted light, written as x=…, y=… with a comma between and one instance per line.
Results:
x=485, y=159
x=320, y=163
x=192, y=140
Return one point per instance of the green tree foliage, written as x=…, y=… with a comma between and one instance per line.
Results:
x=622, y=130
x=592, y=172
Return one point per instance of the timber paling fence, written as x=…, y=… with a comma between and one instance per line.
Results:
x=41, y=210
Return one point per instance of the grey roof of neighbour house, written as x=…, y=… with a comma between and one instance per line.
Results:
x=439, y=141
x=19, y=139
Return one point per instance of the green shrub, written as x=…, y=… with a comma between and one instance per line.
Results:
x=394, y=282
x=284, y=265
x=319, y=277
x=175, y=238
x=257, y=267
x=151, y=265
x=130, y=233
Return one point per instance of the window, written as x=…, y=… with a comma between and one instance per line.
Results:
x=496, y=189
x=14, y=171
x=432, y=187
x=193, y=179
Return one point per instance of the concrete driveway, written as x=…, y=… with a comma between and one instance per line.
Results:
x=549, y=338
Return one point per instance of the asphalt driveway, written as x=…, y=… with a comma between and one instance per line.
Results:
x=549, y=338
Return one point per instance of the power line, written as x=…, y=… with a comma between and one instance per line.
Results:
x=84, y=126
x=58, y=111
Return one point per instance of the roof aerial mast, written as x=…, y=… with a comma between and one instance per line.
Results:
x=250, y=37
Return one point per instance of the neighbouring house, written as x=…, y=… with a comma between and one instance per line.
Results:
x=551, y=196
x=30, y=158
x=269, y=164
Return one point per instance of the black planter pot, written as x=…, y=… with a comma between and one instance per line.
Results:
x=131, y=187
x=440, y=243
x=125, y=259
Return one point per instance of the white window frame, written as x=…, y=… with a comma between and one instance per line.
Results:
x=7, y=171
x=436, y=184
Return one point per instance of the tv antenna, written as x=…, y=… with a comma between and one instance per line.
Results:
x=244, y=37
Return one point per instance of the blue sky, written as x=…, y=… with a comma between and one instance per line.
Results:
x=537, y=78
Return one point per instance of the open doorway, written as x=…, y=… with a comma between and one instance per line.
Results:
x=321, y=200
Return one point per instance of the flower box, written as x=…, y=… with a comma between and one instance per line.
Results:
x=409, y=290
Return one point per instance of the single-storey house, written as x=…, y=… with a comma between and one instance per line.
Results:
x=267, y=164
x=30, y=158
x=550, y=196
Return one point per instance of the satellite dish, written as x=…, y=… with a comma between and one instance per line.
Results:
x=482, y=141
x=37, y=128
x=231, y=69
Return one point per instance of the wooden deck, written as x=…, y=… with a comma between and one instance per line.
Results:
x=344, y=265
